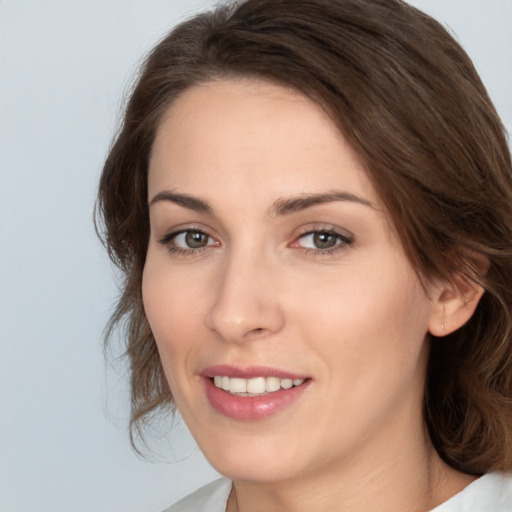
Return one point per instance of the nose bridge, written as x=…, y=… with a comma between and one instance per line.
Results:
x=246, y=304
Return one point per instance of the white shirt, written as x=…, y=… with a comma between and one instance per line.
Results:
x=490, y=493
x=213, y=497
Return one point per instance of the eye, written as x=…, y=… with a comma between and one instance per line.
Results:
x=191, y=240
x=322, y=241
x=187, y=240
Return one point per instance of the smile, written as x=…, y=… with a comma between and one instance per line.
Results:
x=255, y=386
x=252, y=394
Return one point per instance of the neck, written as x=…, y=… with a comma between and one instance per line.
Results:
x=402, y=475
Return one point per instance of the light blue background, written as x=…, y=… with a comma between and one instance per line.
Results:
x=64, y=66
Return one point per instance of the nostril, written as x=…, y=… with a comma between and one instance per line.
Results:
x=257, y=332
x=240, y=318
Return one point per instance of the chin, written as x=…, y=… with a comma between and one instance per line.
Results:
x=248, y=457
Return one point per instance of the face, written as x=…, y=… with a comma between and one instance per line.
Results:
x=290, y=324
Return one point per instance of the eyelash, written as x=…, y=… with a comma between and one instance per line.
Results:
x=343, y=241
x=169, y=238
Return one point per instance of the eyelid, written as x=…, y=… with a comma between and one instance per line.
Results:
x=323, y=228
x=171, y=234
x=346, y=238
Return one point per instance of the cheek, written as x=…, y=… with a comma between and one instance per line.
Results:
x=369, y=342
x=171, y=305
x=171, y=308
x=373, y=316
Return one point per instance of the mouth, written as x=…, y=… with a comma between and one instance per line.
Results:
x=256, y=386
x=252, y=393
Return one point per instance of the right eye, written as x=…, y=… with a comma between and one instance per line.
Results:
x=187, y=240
x=190, y=239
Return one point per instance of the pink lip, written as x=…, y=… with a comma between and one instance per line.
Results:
x=250, y=408
x=250, y=372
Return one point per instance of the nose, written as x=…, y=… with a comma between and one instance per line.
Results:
x=246, y=304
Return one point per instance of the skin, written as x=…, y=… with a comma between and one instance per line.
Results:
x=259, y=290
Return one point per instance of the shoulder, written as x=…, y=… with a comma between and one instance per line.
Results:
x=212, y=497
x=491, y=492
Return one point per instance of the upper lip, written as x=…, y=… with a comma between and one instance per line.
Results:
x=249, y=372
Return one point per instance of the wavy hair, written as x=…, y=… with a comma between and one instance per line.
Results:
x=409, y=101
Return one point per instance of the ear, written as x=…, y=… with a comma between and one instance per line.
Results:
x=453, y=304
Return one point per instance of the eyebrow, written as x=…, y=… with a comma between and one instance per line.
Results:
x=192, y=203
x=286, y=206
x=283, y=206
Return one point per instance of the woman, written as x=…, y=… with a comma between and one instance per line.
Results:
x=311, y=204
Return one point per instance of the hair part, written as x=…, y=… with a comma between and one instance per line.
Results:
x=409, y=101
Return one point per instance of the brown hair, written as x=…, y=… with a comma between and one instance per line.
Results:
x=409, y=101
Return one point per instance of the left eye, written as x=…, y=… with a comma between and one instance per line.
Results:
x=322, y=240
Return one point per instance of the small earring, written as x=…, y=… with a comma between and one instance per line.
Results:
x=442, y=321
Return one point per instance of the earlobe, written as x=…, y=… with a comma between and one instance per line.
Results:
x=453, y=304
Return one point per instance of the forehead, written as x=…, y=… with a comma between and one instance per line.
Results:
x=252, y=135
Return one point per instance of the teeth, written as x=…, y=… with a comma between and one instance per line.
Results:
x=286, y=383
x=272, y=384
x=255, y=386
x=238, y=385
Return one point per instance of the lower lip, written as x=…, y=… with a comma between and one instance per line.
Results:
x=252, y=407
